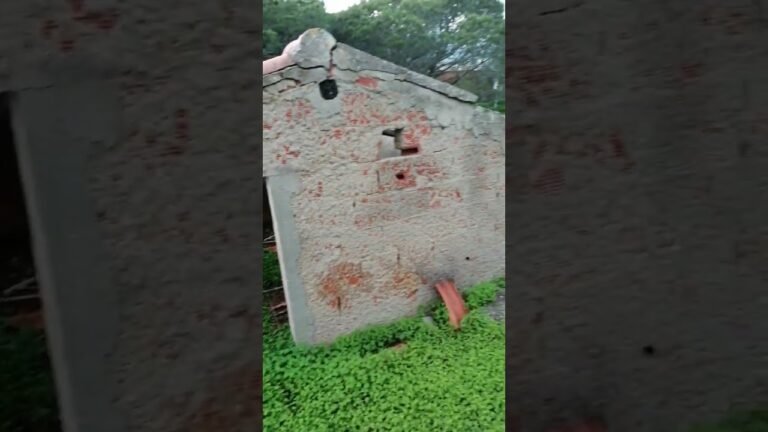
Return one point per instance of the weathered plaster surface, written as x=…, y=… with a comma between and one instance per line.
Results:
x=172, y=191
x=375, y=233
x=638, y=180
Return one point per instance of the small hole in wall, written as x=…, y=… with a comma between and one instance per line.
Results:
x=400, y=176
x=467, y=258
x=328, y=89
x=649, y=350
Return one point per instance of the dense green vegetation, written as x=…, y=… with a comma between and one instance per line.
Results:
x=407, y=376
x=271, y=273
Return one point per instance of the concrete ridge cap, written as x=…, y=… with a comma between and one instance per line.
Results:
x=311, y=49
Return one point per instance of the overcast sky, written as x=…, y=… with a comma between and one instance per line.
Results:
x=333, y=6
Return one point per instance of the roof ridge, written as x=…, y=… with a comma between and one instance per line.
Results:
x=316, y=47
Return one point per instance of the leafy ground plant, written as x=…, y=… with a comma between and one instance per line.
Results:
x=408, y=376
x=271, y=270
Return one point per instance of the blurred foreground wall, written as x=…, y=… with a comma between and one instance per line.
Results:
x=139, y=158
x=639, y=198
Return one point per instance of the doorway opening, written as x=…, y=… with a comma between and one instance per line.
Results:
x=32, y=404
x=272, y=281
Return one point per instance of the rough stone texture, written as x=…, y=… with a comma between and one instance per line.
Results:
x=498, y=308
x=312, y=49
x=638, y=191
x=143, y=110
x=348, y=58
x=376, y=232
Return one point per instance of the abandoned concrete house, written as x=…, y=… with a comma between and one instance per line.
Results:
x=380, y=181
x=136, y=165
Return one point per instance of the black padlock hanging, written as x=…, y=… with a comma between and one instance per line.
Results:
x=328, y=89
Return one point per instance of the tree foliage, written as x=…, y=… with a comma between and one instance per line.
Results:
x=285, y=20
x=427, y=36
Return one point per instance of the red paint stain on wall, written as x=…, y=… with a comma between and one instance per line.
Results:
x=48, y=27
x=341, y=282
x=104, y=20
x=428, y=168
x=379, y=117
x=413, y=135
x=437, y=197
x=417, y=129
x=300, y=111
x=598, y=148
x=317, y=191
x=368, y=82
x=690, y=71
x=617, y=145
x=416, y=116
x=182, y=126
x=287, y=154
x=620, y=150
x=406, y=283
x=549, y=181
x=731, y=20
x=363, y=221
x=355, y=110
x=538, y=74
x=377, y=199
x=181, y=131
x=77, y=6
x=291, y=153
x=66, y=45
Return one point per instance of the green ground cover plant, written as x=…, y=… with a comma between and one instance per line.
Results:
x=409, y=376
x=271, y=274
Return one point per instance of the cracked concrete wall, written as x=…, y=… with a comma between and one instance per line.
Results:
x=140, y=153
x=374, y=232
x=639, y=194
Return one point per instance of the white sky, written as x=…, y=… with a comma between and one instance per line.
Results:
x=333, y=6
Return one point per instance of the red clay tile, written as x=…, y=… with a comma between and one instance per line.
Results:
x=453, y=302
